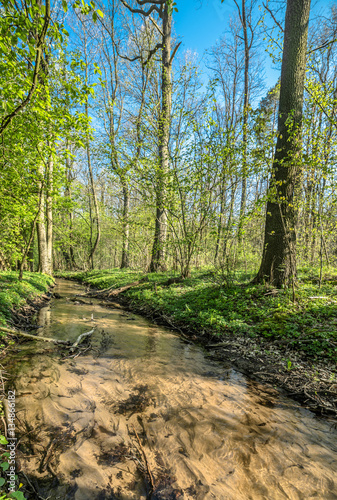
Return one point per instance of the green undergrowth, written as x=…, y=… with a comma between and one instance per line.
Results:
x=14, y=293
x=209, y=303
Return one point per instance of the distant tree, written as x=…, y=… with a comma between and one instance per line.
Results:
x=164, y=10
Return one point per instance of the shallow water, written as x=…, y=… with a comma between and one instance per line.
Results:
x=206, y=430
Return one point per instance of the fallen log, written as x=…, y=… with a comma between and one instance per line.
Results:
x=80, y=301
x=32, y=337
x=122, y=289
x=111, y=305
x=99, y=293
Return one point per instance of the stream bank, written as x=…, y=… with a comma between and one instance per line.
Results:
x=146, y=415
x=259, y=330
x=20, y=301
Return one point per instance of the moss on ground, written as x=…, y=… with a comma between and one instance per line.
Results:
x=209, y=303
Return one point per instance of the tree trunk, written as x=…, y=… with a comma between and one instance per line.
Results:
x=278, y=264
x=230, y=218
x=96, y=218
x=41, y=227
x=158, y=249
x=125, y=244
x=49, y=214
x=245, y=121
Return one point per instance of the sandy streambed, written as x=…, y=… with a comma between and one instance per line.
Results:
x=144, y=408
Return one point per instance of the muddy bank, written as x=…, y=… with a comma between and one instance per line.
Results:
x=313, y=384
x=24, y=318
x=146, y=415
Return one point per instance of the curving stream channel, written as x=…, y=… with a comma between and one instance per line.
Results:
x=143, y=403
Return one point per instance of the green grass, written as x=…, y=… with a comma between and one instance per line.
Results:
x=206, y=303
x=14, y=293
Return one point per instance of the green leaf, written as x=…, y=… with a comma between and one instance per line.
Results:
x=3, y=440
x=2, y=481
x=100, y=13
x=18, y=495
x=4, y=465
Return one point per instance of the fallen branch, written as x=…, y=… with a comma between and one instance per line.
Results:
x=111, y=305
x=80, y=301
x=80, y=339
x=145, y=459
x=32, y=337
x=320, y=297
x=122, y=289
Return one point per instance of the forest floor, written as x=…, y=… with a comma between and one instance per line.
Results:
x=261, y=330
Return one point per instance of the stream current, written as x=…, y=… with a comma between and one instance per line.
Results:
x=92, y=426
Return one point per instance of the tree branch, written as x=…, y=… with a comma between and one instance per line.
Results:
x=174, y=52
x=140, y=11
x=156, y=25
x=7, y=120
x=325, y=44
x=273, y=17
x=152, y=52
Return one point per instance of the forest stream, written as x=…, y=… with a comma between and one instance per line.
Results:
x=144, y=414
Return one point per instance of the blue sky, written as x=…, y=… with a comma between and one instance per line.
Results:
x=200, y=23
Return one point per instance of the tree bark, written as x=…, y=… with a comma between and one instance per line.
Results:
x=278, y=265
x=49, y=215
x=247, y=46
x=158, y=249
x=41, y=227
x=125, y=243
x=96, y=219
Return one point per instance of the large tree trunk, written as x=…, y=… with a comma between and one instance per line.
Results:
x=158, y=250
x=278, y=264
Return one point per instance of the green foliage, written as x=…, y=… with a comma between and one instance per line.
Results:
x=14, y=293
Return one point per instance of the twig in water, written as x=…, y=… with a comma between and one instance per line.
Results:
x=145, y=459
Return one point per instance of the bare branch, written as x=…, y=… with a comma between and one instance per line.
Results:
x=273, y=17
x=174, y=52
x=156, y=25
x=323, y=46
x=152, y=52
x=140, y=11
